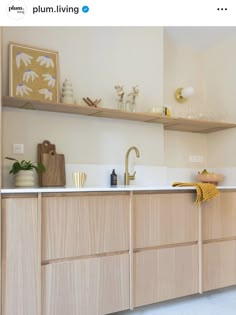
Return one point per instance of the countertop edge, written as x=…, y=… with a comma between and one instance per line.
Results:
x=101, y=189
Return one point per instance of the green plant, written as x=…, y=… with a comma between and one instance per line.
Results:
x=25, y=165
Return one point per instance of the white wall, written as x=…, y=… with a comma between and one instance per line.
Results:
x=94, y=59
x=220, y=76
x=183, y=67
x=97, y=58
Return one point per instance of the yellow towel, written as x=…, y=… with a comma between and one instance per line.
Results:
x=205, y=191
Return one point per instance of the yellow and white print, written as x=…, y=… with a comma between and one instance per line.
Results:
x=33, y=73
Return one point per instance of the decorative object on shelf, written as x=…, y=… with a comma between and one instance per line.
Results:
x=182, y=94
x=131, y=101
x=208, y=177
x=67, y=92
x=55, y=174
x=91, y=103
x=33, y=73
x=23, y=171
x=120, y=93
x=167, y=111
x=157, y=110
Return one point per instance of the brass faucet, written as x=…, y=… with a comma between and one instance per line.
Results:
x=129, y=177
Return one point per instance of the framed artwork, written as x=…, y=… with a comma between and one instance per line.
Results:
x=34, y=73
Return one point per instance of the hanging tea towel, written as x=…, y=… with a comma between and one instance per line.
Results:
x=205, y=191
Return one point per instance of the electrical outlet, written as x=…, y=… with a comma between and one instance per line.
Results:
x=18, y=148
x=196, y=158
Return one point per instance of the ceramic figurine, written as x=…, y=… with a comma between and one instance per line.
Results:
x=67, y=92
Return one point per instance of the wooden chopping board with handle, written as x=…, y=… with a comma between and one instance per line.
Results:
x=44, y=147
x=55, y=169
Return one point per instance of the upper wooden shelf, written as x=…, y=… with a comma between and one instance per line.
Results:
x=170, y=123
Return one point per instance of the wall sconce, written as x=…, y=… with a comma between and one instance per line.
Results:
x=182, y=94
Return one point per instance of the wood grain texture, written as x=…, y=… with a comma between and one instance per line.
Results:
x=94, y=286
x=20, y=261
x=131, y=250
x=44, y=147
x=219, y=216
x=165, y=274
x=200, y=248
x=170, y=123
x=39, y=231
x=55, y=174
x=86, y=225
x=219, y=264
x=161, y=219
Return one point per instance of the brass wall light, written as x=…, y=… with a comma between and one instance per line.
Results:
x=182, y=94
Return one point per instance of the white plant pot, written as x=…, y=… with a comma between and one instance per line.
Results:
x=24, y=179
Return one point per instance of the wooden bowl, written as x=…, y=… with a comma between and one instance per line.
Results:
x=211, y=178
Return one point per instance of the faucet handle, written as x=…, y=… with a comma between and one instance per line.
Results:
x=132, y=177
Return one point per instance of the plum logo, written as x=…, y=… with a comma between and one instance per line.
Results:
x=16, y=9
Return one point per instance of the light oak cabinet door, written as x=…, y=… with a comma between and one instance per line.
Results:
x=219, y=216
x=219, y=264
x=93, y=286
x=164, y=274
x=84, y=225
x=20, y=257
x=162, y=219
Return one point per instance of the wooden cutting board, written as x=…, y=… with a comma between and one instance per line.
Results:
x=55, y=169
x=44, y=147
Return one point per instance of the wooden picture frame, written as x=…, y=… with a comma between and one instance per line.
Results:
x=33, y=73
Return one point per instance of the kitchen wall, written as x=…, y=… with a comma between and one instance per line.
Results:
x=94, y=59
x=183, y=66
x=211, y=71
x=97, y=58
x=220, y=73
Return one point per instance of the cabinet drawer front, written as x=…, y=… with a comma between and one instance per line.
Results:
x=165, y=274
x=219, y=217
x=161, y=219
x=84, y=225
x=94, y=286
x=20, y=257
x=219, y=265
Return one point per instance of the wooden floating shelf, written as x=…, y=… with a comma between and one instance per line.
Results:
x=170, y=123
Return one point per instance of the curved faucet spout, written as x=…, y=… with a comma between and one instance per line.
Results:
x=129, y=177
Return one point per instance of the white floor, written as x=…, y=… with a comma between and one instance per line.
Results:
x=219, y=302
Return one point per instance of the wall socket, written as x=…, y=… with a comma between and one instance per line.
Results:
x=196, y=158
x=18, y=148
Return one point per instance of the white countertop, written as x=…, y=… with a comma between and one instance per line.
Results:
x=100, y=189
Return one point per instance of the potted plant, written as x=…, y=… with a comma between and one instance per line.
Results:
x=24, y=171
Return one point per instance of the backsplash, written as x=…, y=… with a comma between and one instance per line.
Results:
x=99, y=175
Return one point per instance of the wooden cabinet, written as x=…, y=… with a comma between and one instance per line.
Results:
x=20, y=256
x=165, y=246
x=74, y=226
x=164, y=274
x=162, y=219
x=219, y=235
x=92, y=286
x=219, y=264
x=85, y=254
x=100, y=253
x=219, y=217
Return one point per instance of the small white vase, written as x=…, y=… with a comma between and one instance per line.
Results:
x=24, y=178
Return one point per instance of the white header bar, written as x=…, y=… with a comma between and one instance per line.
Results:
x=118, y=13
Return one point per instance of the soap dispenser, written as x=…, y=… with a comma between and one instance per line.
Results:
x=113, y=178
